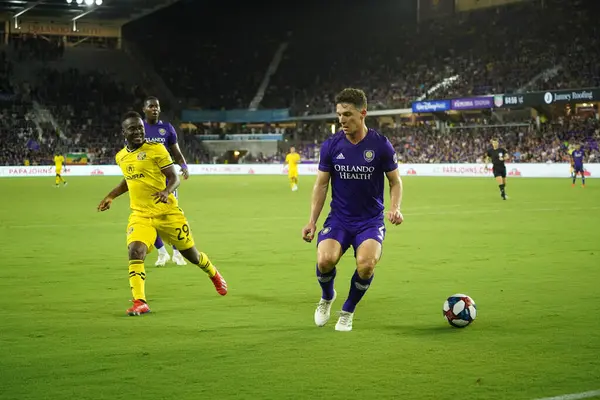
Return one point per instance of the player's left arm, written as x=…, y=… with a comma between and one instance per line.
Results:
x=176, y=152
x=173, y=182
x=390, y=166
x=395, y=182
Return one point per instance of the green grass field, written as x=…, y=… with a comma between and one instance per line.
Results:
x=532, y=264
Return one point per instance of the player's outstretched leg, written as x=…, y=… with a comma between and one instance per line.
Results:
x=163, y=255
x=177, y=257
x=137, y=278
x=367, y=255
x=202, y=261
x=329, y=253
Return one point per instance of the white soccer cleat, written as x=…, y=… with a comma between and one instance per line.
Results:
x=294, y=188
x=178, y=258
x=344, y=323
x=323, y=311
x=163, y=258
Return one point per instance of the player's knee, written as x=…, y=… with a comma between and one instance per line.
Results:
x=192, y=255
x=137, y=251
x=365, y=265
x=326, y=261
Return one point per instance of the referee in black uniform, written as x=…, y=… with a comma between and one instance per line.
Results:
x=498, y=155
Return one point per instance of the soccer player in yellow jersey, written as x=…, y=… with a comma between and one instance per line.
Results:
x=154, y=209
x=292, y=159
x=570, y=150
x=59, y=160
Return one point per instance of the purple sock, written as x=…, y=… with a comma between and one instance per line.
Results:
x=158, y=243
x=358, y=288
x=326, y=282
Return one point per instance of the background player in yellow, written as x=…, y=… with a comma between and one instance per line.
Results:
x=59, y=161
x=154, y=209
x=292, y=159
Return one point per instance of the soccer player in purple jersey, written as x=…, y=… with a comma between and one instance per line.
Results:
x=158, y=131
x=577, y=161
x=356, y=160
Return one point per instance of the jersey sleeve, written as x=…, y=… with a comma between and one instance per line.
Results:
x=171, y=136
x=325, y=161
x=161, y=156
x=389, y=158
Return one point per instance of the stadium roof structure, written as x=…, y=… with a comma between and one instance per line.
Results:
x=107, y=10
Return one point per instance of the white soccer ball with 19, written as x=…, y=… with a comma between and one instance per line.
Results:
x=459, y=310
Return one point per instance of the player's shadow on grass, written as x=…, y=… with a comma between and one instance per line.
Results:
x=424, y=330
x=253, y=298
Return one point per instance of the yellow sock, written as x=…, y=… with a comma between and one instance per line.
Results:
x=57, y=180
x=137, y=276
x=206, y=266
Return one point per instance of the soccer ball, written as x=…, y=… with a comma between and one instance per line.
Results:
x=459, y=310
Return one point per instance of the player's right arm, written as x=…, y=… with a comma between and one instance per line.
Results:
x=319, y=195
x=116, y=192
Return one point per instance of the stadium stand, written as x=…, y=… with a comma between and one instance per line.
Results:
x=518, y=47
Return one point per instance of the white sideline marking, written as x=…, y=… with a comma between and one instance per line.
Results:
x=417, y=214
x=574, y=396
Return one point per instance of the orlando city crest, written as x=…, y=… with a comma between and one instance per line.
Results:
x=162, y=131
x=499, y=100
x=130, y=169
x=141, y=156
x=369, y=155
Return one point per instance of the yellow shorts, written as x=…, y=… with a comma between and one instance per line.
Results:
x=58, y=171
x=172, y=228
x=293, y=173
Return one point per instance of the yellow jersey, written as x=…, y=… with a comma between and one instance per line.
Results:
x=142, y=169
x=293, y=159
x=58, y=162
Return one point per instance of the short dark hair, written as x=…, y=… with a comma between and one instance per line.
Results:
x=131, y=114
x=356, y=97
x=150, y=98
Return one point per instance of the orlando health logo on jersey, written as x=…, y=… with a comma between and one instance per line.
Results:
x=161, y=132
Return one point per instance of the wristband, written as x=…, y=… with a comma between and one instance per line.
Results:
x=184, y=166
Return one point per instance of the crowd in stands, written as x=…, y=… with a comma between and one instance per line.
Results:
x=485, y=52
x=31, y=46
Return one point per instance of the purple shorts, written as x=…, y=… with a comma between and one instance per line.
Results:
x=351, y=236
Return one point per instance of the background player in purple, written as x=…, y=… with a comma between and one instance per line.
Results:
x=577, y=160
x=158, y=131
x=356, y=160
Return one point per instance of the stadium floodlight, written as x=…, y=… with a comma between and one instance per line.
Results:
x=79, y=1
x=89, y=2
x=98, y=2
x=69, y=1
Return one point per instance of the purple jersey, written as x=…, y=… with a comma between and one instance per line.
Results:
x=161, y=132
x=578, y=158
x=357, y=176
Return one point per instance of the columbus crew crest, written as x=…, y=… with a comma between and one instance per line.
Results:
x=369, y=155
x=162, y=131
x=130, y=169
x=141, y=156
